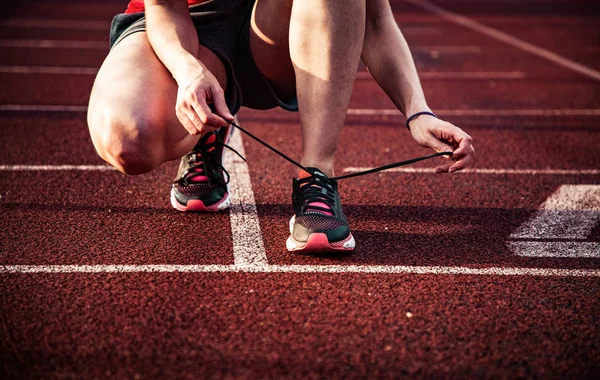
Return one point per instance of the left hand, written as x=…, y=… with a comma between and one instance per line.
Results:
x=442, y=136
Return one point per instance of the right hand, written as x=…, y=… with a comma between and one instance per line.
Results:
x=193, y=99
x=441, y=136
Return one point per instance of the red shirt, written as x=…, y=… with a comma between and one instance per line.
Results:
x=138, y=5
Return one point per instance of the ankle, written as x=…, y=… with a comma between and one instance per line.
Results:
x=326, y=168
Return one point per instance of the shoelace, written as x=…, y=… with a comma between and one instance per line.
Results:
x=205, y=158
x=317, y=191
x=374, y=170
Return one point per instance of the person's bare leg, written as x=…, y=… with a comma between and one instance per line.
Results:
x=321, y=46
x=131, y=114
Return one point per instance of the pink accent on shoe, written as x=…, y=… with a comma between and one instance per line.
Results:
x=199, y=178
x=211, y=139
x=320, y=204
x=318, y=243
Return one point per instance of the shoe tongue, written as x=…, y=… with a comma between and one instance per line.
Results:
x=311, y=205
x=204, y=140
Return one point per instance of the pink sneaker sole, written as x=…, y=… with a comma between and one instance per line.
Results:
x=318, y=243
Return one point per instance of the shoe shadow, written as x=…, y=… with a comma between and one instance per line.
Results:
x=410, y=235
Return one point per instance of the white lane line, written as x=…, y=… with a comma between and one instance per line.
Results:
x=571, y=214
x=248, y=246
x=41, y=108
x=70, y=44
x=375, y=269
x=359, y=75
x=18, y=168
x=507, y=38
x=482, y=112
x=449, y=49
x=55, y=24
x=48, y=70
x=483, y=171
x=420, y=30
x=556, y=249
x=360, y=111
x=54, y=44
x=459, y=75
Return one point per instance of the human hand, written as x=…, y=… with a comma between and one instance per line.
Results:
x=193, y=99
x=441, y=136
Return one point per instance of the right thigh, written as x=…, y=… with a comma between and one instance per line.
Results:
x=132, y=104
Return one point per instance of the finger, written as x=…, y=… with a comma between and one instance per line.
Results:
x=196, y=121
x=463, y=151
x=206, y=116
x=438, y=145
x=444, y=168
x=464, y=155
x=221, y=105
x=184, y=119
x=462, y=164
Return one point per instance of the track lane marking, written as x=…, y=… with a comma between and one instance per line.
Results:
x=61, y=70
x=357, y=111
x=483, y=171
x=48, y=70
x=56, y=24
x=507, y=38
x=570, y=214
x=421, y=30
x=41, y=108
x=105, y=26
x=248, y=246
x=482, y=112
x=447, y=49
x=363, y=75
x=374, y=269
x=77, y=44
x=18, y=168
x=54, y=44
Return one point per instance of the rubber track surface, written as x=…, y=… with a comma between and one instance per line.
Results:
x=523, y=111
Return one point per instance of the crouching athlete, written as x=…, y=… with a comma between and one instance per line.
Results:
x=178, y=71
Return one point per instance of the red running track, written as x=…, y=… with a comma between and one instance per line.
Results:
x=396, y=306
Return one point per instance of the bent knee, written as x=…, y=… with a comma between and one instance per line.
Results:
x=130, y=159
x=132, y=144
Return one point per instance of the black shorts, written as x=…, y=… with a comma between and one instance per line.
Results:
x=223, y=26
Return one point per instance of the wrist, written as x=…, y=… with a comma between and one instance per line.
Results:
x=412, y=119
x=187, y=67
x=412, y=107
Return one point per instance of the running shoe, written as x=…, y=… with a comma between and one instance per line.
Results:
x=202, y=181
x=319, y=224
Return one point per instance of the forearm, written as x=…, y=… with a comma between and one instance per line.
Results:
x=388, y=59
x=173, y=37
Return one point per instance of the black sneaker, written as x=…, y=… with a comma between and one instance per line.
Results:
x=319, y=224
x=201, y=182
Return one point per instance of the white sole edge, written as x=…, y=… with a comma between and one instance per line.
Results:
x=222, y=206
